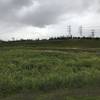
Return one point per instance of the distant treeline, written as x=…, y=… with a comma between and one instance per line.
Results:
x=78, y=38
x=56, y=38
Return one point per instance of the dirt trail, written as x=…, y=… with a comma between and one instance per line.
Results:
x=55, y=94
x=51, y=51
x=66, y=51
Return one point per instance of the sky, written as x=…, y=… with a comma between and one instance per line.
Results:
x=33, y=19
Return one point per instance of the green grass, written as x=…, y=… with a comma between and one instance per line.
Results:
x=52, y=71
x=71, y=43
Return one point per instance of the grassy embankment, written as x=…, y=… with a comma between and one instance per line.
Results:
x=58, y=68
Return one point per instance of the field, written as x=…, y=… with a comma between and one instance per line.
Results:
x=53, y=70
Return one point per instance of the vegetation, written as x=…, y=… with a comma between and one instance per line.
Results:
x=59, y=43
x=59, y=68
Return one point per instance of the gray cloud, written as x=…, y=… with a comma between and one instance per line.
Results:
x=49, y=11
x=8, y=9
x=46, y=12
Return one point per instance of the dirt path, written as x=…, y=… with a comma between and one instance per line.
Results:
x=67, y=51
x=51, y=51
x=59, y=94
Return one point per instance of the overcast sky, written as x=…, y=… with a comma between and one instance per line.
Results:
x=45, y=18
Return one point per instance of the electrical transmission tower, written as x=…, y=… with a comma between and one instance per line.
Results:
x=81, y=31
x=92, y=33
x=69, y=31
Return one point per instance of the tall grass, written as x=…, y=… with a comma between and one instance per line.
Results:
x=23, y=69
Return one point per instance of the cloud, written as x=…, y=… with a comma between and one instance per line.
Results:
x=49, y=11
x=40, y=12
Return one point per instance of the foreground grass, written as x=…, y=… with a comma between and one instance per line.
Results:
x=22, y=69
x=53, y=73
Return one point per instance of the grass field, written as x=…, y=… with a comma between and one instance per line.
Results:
x=53, y=70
